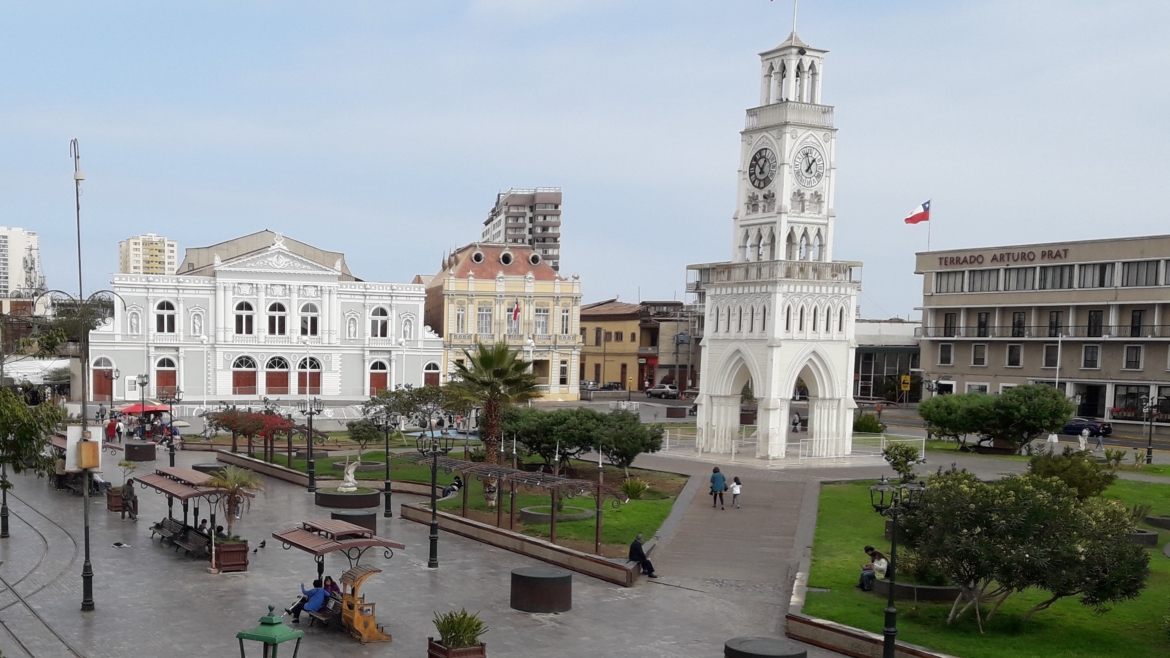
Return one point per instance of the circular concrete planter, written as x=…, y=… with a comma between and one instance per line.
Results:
x=207, y=468
x=533, y=515
x=1162, y=522
x=914, y=592
x=1143, y=537
x=357, y=500
x=762, y=647
x=363, y=467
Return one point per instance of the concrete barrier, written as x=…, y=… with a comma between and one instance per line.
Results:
x=848, y=640
x=302, y=479
x=567, y=558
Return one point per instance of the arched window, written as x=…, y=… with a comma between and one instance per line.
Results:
x=800, y=323
x=244, y=319
x=828, y=322
x=460, y=319
x=276, y=376
x=814, y=319
x=739, y=324
x=102, y=363
x=309, y=375
x=788, y=319
x=803, y=246
x=244, y=376
x=408, y=329
x=164, y=319
x=816, y=247
x=378, y=377
x=276, y=363
x=841, y=320
x=379, y=323
x=277, y=319
x=798, y=95
x=752, y=319
x=813, y=76
x=431, y=374
x=309, y=318
x=763, y=318
x=790, y=246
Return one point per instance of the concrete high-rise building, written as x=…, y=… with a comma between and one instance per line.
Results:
x=531, y=217
x=20, y=261
x=148, y=254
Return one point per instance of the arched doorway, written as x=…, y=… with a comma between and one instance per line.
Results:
x=165, y=377
x=276, y=376
x=103, y=380
x=378, y=372
x=431, y=374
x=244, y=376
x=822, y=407
x=309, y=376
x=720, y=412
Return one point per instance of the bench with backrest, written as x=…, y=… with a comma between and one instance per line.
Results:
x=192, y=541
x=329, y=614
x=168, y=528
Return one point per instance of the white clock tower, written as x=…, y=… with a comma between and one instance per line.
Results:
x=780, y=313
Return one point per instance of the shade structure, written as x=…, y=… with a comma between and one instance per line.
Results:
x=138, y=408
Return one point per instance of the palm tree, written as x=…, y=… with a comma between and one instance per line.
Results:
x=493, y=378
x=236, y=483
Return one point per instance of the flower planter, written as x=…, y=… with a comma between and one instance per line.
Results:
x=114, y=499
x=340, y=500
x=1143, y=537
x=232, y=556
x=436, y=650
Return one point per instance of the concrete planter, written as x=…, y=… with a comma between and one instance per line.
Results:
x=358, y=500
x=232, y=556
x=436, y=650
x=365, y=467
x=531, y=515
x=1143, y=537
x=1162, y=522
x=914, y=592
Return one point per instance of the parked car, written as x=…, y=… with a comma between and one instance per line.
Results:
x=664, y=391
x=612, y=386
x=588, y=385
x=1096, y=427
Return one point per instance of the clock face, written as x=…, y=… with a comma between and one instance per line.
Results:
x=809, y=166
x=762, y=169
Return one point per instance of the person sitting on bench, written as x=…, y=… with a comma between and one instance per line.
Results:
x=638, y=555
x=875, y=569
x=454, y=487
x=312, y=600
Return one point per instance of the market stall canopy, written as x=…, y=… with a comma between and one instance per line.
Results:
x=138, y=408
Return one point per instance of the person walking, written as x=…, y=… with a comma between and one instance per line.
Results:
x=1100, y=442
x=795, y=423
x=120, y=429
x=1083, y=439
x=736, y=487
x=718, y=486
x=111, y=430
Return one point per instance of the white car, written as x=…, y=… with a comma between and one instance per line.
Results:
x=665, y=391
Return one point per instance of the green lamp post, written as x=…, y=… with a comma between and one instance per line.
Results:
x=271, y=632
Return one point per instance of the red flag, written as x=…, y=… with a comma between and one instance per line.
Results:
x=516, y=311
x=919, y=214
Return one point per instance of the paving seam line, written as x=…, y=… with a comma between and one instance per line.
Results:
x=802, y=544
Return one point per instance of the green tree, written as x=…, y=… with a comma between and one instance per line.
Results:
x=1025, y=413
x=493, y=378
x=623, y=437
x=363, y=432
x=953, y=417
x=902, y=457
x=24, y=435
x=237, y=484
x=1077, y=469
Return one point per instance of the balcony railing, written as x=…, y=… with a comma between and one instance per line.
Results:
x=774, y=270
x=790, y=111
x=651, y=350
x=1045, y=331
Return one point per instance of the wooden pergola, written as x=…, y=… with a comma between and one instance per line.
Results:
x=185, y=484
x=323, y=536
x=529, y=480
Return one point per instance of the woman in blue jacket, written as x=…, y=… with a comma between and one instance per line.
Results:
x=312, y=601
x=718, y=486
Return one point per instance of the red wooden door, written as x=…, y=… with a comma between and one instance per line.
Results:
x=164, y=381
x=244, y=382
x=103, y=384
x=431, y=378
x=377, y=382
x=276, y=382
x=314, y=383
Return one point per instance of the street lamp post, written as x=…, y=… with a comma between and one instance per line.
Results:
x=432, y=447
x=171, y=401
x=1150, y=404
x=892, y=500
x=384, y=422
x=142, y=381
x=309, y=408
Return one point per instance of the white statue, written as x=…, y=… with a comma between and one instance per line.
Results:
x=197, y=324
x=349, y=483
x=134, y=323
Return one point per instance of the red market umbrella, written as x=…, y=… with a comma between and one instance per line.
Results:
x=139, y=409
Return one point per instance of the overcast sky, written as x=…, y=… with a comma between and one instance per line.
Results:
x=384, y=129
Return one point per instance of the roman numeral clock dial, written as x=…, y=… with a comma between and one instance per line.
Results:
x=809, y=166
x=762, y=169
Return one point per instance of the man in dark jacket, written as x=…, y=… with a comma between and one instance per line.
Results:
x=638, y=555
x=311, y=600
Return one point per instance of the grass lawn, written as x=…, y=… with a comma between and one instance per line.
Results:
x=400, y=469
x=846, y=522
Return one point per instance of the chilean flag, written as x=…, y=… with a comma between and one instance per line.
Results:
x=919, y=214
x=516, y=310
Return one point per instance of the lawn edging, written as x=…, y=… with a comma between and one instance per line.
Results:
x=567, y=558
x=848, y=640
x=302, y=479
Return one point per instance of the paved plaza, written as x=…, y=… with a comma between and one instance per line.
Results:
x=725, y=573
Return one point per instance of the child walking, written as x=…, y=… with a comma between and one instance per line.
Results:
x=736, y=487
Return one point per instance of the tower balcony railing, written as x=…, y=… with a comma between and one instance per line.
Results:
x=790, y=112
x=774, y=270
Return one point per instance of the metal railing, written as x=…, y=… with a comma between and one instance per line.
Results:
x=774, y=270
x=1046, y=331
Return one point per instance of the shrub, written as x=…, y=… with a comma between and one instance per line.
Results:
x=1139, y=511
x=922, y=570
x=869, y=424
x=1076, y=469
x=901, y=457
x=477, y=455
x=633, y=488
x=1113, y=458
x=459, y=630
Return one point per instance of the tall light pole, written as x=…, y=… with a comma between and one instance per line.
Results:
x=309, y=408
x=206, y=368
x=171, y=400
x=1150, y=404
x=383, y=421
x=893, y=500
x=87, y=566
x=142, y=381
x=432, y=446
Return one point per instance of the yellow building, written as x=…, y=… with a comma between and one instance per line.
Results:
x=508, y=292
x=610, y=331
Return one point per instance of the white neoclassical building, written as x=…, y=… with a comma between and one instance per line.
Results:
x=781, y=311
x=262, y=316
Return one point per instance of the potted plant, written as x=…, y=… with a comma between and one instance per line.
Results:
x=458, y=636
x=236, y=483
x=114, y=494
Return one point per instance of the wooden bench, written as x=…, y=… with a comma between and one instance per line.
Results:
x=168, y=528
x=193, y=541
x=329, y=614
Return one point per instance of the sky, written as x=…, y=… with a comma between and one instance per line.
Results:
x=385, y=129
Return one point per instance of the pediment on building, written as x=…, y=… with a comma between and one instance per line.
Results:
x=275, y=259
